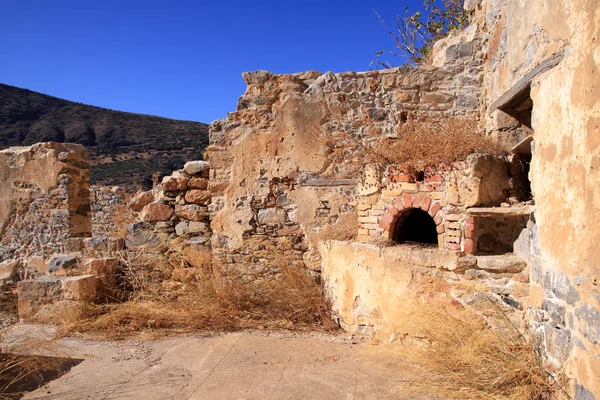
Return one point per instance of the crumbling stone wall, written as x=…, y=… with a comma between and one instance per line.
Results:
x=542, y=60
x=44, y=198
x=285, y=165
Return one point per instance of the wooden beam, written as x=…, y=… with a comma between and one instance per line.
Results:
x=520, y=91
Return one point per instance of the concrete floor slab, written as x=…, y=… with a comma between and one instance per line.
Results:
x=244, y=365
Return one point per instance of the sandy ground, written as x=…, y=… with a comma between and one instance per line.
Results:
x=242, y=365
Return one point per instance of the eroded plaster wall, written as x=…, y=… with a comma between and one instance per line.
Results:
x=44, y=198
x=564, y=244
x=285, y=166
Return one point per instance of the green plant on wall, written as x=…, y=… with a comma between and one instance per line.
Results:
x=416, y=33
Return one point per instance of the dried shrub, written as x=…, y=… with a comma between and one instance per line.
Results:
x=200, y=299
x=423, y=143
x=456, y=353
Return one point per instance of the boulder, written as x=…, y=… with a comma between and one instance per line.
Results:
x=191, y=227
x=157, y=212
x=197, y=255
x=196, y=168
x=196, y=196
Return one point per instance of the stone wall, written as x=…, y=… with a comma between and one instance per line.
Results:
x=542, y=71
x=105, y=203
x=44, y=199
x=285, y=165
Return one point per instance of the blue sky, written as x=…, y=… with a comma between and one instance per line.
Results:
x=180, y=58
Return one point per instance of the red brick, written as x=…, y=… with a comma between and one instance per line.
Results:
x=391, y=208
x=470, y=220
x=433, y=178
x=433, y=210
x=416, y=200
x=384, y=224
x=440, y=228
x=426, y=204
x=438, y=219
x=387, y=217
x=402, y=178
x=469, y=246
x=398, y=203
x=470, y=231
x=425, y=187
x=407, y=201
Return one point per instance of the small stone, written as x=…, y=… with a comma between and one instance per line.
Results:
x=196, y=167
x=63, y=262
x=157, y=212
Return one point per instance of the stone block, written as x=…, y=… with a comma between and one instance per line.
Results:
x=191, y=227
x=58, y=264
x=191, y=212
x=197, y=168
x=157, y=212
x=589, y=321
x=505, y=263
x=174, y=183
x=8, y=269
x=198, y=183
x=140, y=200
x=81, y=288
x=196, y=196
x=102, y=266
x=558, y=284
x=272, y=216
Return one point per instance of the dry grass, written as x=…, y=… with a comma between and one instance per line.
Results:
x=163, y=297
x=423, y=143
x=457, y=355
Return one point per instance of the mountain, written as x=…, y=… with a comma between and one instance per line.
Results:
x=126, y=148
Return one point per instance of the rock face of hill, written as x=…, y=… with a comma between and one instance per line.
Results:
x=126, y=148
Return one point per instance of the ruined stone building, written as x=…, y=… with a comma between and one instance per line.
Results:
x=293, y=178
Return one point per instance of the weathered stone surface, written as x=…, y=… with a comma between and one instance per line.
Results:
x=198, y=183
x=140, y=200
x=558, y=343
x=157, y=212
x=102, y=266
x=196, y=196
x=152, y=241
x=191, y=228
x=589, y=320
x=271, y=216
x=191, y=212
x=505, y=263
x=81, y=288
x=196, y=167
x=175, y=183
x=8, y=269
x=581, y=393
x=62, y=262
x=558, y=284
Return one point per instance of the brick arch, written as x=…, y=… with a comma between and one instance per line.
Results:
x=395, y=208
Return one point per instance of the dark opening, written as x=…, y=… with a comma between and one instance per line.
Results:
x=415, y=225
x=420, y=176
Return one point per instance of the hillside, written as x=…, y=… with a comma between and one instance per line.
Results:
x=126, y=148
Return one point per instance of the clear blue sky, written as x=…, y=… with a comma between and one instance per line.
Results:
x=181, y=58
